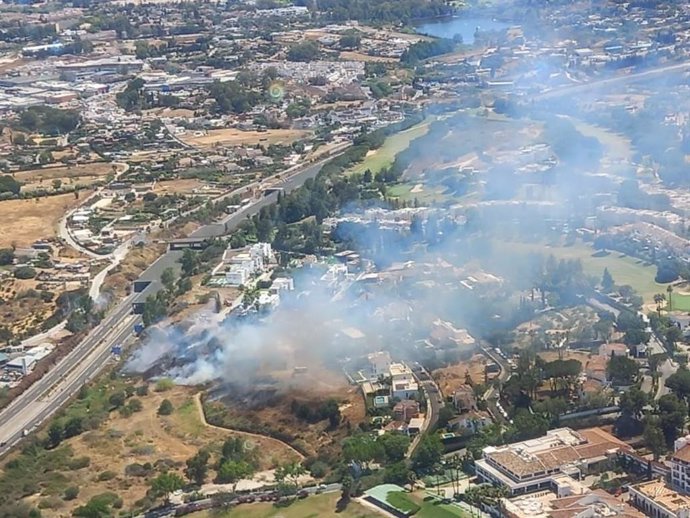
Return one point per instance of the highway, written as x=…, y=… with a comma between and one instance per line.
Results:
x=48, y=394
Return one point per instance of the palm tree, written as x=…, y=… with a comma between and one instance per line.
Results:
x=659, y=299
x=669, y=290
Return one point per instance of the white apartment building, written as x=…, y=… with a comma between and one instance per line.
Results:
x=238, y=268
x=403, y=383
x=680, y=464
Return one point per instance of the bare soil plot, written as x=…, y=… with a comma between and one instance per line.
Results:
x=95, y=169
x=26, y=221
x=83, y=174
x=451, y=377
x=236, y=137
x=182, y=186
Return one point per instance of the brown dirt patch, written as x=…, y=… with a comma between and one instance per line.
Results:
x=236, y=137
x=186, y=186
x=26, y=221
x=451, y=377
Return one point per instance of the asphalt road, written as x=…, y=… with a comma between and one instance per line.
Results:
x=48, y=394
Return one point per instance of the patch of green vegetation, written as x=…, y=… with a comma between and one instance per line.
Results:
x=680, y=302
x=318, y=506
x=384, y=156
x=187, y=418
x=624, y=269
x=402, y=502
x=407, y=192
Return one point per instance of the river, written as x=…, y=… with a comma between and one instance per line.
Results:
x=465, y=27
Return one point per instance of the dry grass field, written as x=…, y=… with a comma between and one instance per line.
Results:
x=25, y=221
x=236, y=137
x=182, y=186
x=451, y=377
x=145, y=437
x=83, y=174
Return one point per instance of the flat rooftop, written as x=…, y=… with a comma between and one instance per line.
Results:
x=663, y=495
x=556, y=449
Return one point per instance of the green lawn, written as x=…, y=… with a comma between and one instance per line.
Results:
x=384, y=156
x=680, y=302
x=425, y=196
x=433, y=508
x=402, y=502
x=318, y=506
x=624, y=269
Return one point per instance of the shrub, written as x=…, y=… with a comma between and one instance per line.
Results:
x=137, y=470
x=135, y=405
x=106, y=475
x=25, y=272
x=142, y=390
x=79, y=463
x=164, y=384
x=50, y=502
x=165, y=408
x=318, y=469
x=71, y=493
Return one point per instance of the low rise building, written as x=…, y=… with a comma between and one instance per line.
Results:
x=657, y=500
x=534, y=465
x=581, y=504
x=472, y=421
x=379, y=364
x=406, y=410
x=403, y=383
x=680, y=464
x=464, y=398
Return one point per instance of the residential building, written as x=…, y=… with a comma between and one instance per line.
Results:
x=379, y=364
x=533, y=465
x=405, y=410
x=656, y=500
x=267, y=301
x=472, y=421
x=444, y=334
x=581, y=504
x=403, y=383
x=464, y=398
x=415, y=426
x=237, y=268
x=680, y=464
